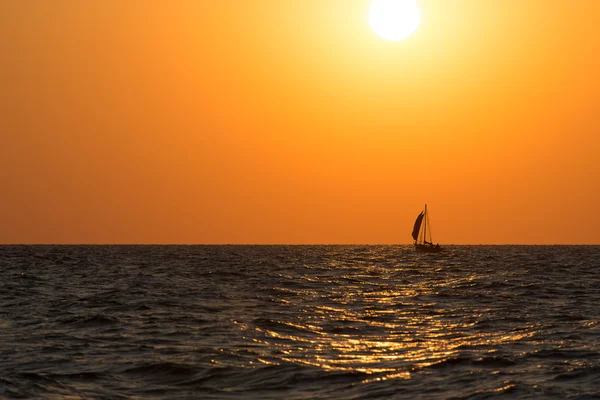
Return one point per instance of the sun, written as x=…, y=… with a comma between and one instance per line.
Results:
x=394, y=19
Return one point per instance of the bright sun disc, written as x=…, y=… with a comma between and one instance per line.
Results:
x=394, y=19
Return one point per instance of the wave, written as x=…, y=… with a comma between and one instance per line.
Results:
x=161, y=369
x=491, y=362
x=91, y=321
x=583, y=373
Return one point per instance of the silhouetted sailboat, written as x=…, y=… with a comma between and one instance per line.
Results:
x=420, y=234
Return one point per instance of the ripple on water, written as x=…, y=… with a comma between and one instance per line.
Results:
x=299, y=322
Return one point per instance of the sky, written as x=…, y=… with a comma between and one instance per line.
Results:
x=269, y=121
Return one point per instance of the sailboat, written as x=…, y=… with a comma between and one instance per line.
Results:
x=422, y=231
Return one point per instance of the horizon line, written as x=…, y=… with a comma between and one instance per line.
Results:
x=293, y=244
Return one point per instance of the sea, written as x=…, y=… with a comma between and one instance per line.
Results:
x=299, y=322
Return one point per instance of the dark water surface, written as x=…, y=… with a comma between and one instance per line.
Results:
x=299, y=322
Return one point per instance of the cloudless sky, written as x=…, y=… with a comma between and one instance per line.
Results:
x=270, y=121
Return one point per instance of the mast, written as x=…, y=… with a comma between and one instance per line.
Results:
x=425, y=226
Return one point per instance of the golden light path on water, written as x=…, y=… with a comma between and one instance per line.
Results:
x=353, y=323
x=356, y=355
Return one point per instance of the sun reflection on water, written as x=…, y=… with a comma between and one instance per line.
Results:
x=367, y=323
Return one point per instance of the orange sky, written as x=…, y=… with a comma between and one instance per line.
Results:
x=269, y=121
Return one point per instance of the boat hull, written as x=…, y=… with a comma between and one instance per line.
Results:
x=427, y=248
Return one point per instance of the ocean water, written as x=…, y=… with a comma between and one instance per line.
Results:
x=299, y=322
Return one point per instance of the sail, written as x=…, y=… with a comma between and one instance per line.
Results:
x=415, y=232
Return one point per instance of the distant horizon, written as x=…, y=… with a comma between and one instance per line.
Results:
x=294, y=244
